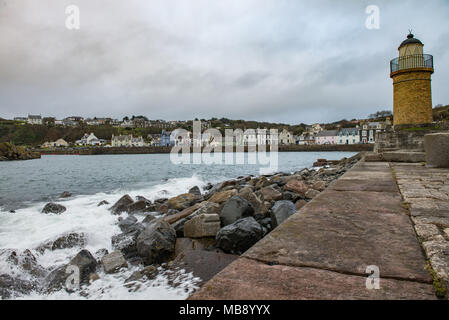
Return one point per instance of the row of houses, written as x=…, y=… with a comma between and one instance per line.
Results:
x=74, y=121
x=365, y=133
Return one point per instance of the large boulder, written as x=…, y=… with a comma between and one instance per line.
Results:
x=204, y=208
x=83, y=262
x=26, y=261
x=203, y=225
x=127, y=242
x=239, y=236
x=137, y=206
x=222, y=196
x=53, y=208
x=258, y=205
x=281, y=211
x=127, y=223
x=269, y=194
x=11, y=286
x=113, y=262
x=234, y=209
x=86, y=263
x=311, y=193
x=181, y=202
x=121, y=205
x=296, y=186
x=68, y=240
x=195, y=190
x=156, y=243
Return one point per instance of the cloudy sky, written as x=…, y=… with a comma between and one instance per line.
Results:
x=286, y=61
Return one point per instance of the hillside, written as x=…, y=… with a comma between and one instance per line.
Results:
x=440, y=113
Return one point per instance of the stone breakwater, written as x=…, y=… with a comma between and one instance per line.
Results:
x=9, y=151
x=200, y=231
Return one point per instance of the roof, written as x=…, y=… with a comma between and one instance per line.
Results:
x=327, y=133
x=410, y=39
x=350, y=130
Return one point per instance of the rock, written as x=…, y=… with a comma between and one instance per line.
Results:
x=234, y=209
x=300, y=203
x=208, y=186
x=148, y=219
x=239, y=236
x=437, y=149
x=27, y=262
x=195, y=190
x=12, y=211
x=156, y=243
x=57, y=279
x=446, y=231
x=147, y=273
x=69, y=240
x=296, y=186
x=137, y=206
x=172, y=212
x=330, y=171
x=203, y=208
x=266, y=223
x=270, y=194
x=127, y=223
x=10, y=287
x=86, y=263
x=126, y=243
x=9, y=151
x=113, y=262
x=93, y=277
x=54, y=208
x=182, y=201
x=184, y=244
x=140, y=198
x=281, y=211
x=258, y=205
x=203, y=264
x=184, y=213
x=319, y=185
x=65, y=194
x=291, y=196
x=223, y=196
x=203, y=225
x=262, y=183
x=102, y=203
x=311, y=193
x=121, y=205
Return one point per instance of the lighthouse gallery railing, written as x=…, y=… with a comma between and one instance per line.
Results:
x=410, y=62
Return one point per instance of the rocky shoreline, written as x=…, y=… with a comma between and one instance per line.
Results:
x=9, y=152
x=199, y=232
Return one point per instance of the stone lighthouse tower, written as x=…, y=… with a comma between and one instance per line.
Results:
x=411, y=73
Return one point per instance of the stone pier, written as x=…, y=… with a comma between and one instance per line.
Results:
x=323, y=251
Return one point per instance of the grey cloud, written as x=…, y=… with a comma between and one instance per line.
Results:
x=292, y=61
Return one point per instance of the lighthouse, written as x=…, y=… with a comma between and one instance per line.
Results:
x=411, y=73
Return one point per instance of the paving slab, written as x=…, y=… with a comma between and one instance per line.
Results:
x=346, y=242
x=364, y=185
x=246, y=279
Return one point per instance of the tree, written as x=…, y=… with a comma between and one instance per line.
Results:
x=381, y=114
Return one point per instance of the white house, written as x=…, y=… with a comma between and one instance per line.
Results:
x=56, y=144
x=34, y=119
x=370, y=129
x=89, y=140
x=348, y=136
x=286, y=138
x=127, y=141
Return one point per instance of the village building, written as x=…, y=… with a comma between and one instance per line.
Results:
x=34, y=119
x=326, y=137
x=286, y=138
x=369, y=131
x=89, y=140
x=348, y=136
x=60, y=143
x=127, y=140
